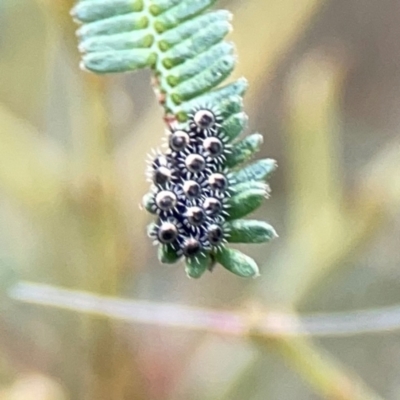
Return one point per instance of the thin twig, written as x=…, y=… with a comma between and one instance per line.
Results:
x=269, y=324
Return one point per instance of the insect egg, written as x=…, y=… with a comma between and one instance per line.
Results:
x=160, y=160
x=195, y=163
x=204, y=119
x=166, y=200
x=213, y=146
x=195, y=215
x=162, y=175
x=212, y=206
x=215, y=234
x=179, y=140
x=167, y=232
x=191, y=247
x=191, y=189
x=218, y=181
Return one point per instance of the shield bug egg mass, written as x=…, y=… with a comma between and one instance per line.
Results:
x=189, y=189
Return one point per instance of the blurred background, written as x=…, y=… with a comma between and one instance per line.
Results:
x=324, y=81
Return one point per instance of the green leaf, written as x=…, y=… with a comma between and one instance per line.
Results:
x=123, y=61
x=244, y=150
x=167, y=255
x=231, y=106
x=195, y=67
x=93, y=10
x=258, y=171
x=234, y=125
x=249, y=196
x=150, y=228
x=159, y=6
x=234, y=89
x=199, y=42
x=237, y=262
x=121, y=41
x=196, y=266
x=186, y=30
x=250, y=231
x=111, y=26
x=182, y=44
x=205, y=80
x=147, y=201
x=182, y=11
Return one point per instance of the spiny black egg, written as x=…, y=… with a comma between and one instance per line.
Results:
x=195, y=215
x=166, y=200
x=213, y=146
x=160, y=160
x=179, y=140
x=204, y=119
x=167, y=232
x=212, y=206
x=162, y=175
x=215, y=234
x=218, y=181
x=191, y=189
x=195, y=163
x=191, y=247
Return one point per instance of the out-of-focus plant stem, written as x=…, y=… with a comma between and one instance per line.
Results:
x=282, y=332
x=270, y=324
x=327, y=376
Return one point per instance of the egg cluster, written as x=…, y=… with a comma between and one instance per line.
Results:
x=190, y=186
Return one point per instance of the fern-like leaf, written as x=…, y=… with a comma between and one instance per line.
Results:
x=183, y=43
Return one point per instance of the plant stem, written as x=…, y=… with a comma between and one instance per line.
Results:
x=282, y=332
x=326, y=375
x=270, y=325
